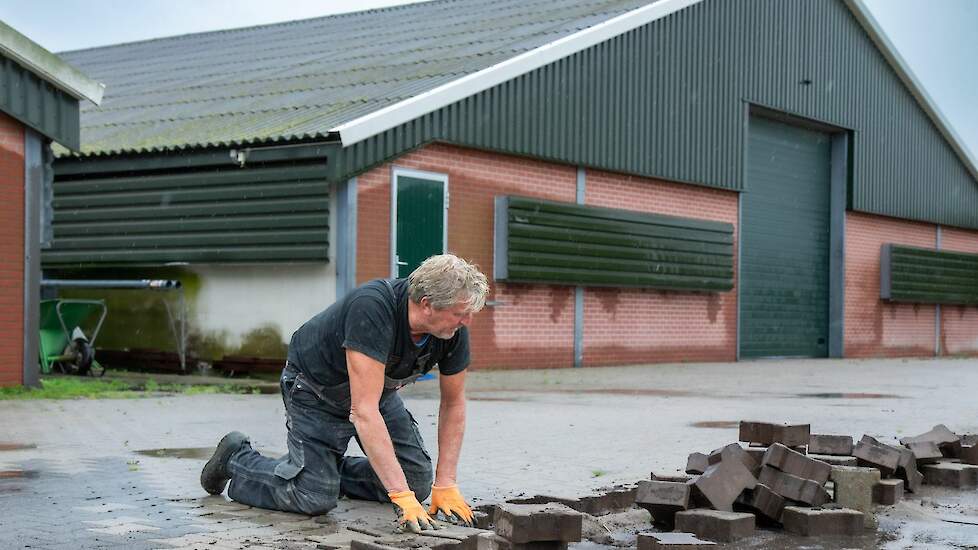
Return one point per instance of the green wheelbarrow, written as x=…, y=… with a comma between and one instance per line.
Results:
x=64, y=345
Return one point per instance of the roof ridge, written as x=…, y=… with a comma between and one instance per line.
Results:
x=263, y=25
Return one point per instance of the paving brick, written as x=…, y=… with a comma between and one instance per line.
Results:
x=948, y=441
x=853, y=489
x=680, y=478
x=663, y=499
x=665, y=541
x=834, y=460
x=368, y=545
x=756, y=452
x=793, y=487
x=888, y=491
x=765, y=433
x=605, y=502
x=716, y=525
x=722, y=483
x=876, y=455
x=521, y=523
x=492, y=541
x=796, y=464
x=908, y=471
x=809, y=522
x=969, y=454
x=696, y=463
x=734, y=451
x=950, y=474
x=836, y=445
x=926, y=452
x=764, y=501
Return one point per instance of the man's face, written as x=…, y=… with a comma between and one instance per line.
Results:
x=444, y=323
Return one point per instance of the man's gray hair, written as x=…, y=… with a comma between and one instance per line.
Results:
x=447, y=280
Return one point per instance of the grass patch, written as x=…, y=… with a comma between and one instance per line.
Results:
x=93, y=388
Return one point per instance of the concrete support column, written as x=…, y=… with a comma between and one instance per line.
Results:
x=34, y=182
x=346, y=237
x=579, y=291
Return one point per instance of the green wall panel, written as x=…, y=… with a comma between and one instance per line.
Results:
x=37, y=104
x=550, y=242
x=920, y=275
x=214, y=215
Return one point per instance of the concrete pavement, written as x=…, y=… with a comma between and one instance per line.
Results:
x=123, y=473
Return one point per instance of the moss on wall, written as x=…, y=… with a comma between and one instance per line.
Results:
x=138, y=318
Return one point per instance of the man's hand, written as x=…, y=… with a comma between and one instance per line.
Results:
x=450, y=502
x=410, y=514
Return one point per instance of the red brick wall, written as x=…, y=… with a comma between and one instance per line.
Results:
x=533, y=326
x=959, y=324
x=11, y=251
x=624, y=326
x=874, y=328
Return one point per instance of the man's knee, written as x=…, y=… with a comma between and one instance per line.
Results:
x=313, y=503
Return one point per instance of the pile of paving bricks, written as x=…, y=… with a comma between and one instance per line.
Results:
x=806, y=484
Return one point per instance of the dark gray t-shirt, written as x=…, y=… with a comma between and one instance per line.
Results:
x=373, y=320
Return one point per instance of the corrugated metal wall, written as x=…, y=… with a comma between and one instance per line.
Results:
x=214, y=215
x=37, y=104
x=668, y=100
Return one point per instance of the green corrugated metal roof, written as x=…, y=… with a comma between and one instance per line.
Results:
x=299, y=79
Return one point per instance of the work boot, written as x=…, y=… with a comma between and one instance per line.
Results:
x=214, y=477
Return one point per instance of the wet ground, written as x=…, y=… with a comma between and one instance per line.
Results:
x=123, y=473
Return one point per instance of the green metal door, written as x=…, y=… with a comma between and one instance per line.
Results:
x=785, y=222
x=419, y=219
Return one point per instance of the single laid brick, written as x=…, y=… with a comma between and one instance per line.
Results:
x=766, y=433
x=876, y=455
x=764, y=501
x=734, y=451
x=697, y=463
x=483, y=541
x=835, y=445
x=717, y=525
x=663, y=499
x=809, y=522
x=521, y=523
x=796, y=464
x=664, y=541
x=369, y=545
x=793, y=487
x=722, y=483
x=969, y=454
x=926, y=452
x=950, y=474
x=853, y=489
x=679, y=478
x=888, y=491
x=833, y=460
x=948, y=441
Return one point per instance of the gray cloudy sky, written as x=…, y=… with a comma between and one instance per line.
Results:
x=936, y=37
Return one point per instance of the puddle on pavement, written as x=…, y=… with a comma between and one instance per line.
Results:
x=594, y=391
x=723, y=424
x=18, y=474
x=8, y=446
x=851, y=395
x=188, y=452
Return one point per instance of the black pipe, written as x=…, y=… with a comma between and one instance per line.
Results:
x=153, y=284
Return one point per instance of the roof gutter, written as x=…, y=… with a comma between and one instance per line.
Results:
x=394, y=115
x=889, y=51
x=48, y=66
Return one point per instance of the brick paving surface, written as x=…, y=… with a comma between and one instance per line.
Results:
x=124, y=473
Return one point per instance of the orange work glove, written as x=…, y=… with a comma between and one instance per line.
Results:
x=450, y=502
x=410, y=514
